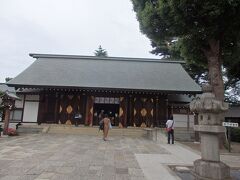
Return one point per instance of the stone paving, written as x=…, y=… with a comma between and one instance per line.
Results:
x=80, y=157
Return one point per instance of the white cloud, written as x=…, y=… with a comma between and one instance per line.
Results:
x=66, y=27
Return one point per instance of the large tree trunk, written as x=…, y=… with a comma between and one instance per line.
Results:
x=213, y=55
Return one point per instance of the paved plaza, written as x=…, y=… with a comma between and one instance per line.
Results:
x=82, y=157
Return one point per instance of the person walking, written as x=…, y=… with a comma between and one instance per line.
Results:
x=170, y=129
x=106, y=127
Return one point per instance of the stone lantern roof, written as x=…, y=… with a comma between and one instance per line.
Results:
x=208, y=103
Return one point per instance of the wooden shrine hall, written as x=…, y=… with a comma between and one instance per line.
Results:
x=132, y=91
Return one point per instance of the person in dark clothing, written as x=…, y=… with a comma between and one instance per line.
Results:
x=77, y=118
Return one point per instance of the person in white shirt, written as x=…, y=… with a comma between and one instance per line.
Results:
x=170, y=129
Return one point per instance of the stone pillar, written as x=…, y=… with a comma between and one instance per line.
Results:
x=210, y=110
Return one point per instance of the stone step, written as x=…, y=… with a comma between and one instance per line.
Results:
x=181, y=134
x=135, y=132
x=30, y=129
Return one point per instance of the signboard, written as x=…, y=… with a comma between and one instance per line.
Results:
x=106, y=100
x=230, y=124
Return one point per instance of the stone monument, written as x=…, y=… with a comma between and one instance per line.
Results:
x=210, y=117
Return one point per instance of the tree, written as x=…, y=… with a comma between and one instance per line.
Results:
x=100, y=52
x=199, y=72
x=1, y=106
x=8, y=79
x=207, y=33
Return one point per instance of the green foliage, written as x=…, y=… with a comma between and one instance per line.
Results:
x=193, y=23
x=100, y=52
x=235, y=134
x=185, y=28
x=1, y=107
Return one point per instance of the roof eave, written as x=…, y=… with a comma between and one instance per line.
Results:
x=105, y=89
x=104, y=58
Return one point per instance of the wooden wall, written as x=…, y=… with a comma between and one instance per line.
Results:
x=134, y=110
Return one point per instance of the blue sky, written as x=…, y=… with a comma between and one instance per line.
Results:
x=67, y=27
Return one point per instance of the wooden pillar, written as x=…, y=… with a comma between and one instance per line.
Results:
x=149, y=106
x=57, y=105
x=126, y=111
x=62, y=109
x=86, y=111
x=166, y=100
x=130, y=111
x=40, y=108
x=23, y=108
x=89, y=111
x=83, y=107
x=137, y=111
x=156, y=112
x=123, y=112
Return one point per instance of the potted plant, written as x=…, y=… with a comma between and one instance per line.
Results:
x=12, y=132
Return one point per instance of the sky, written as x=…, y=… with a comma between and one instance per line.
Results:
x=72, y=27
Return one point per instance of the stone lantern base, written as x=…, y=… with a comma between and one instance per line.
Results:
x=209, y=170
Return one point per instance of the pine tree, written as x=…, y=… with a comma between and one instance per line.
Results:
x=100, y=52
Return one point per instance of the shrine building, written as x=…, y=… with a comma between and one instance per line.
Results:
x=136, y=92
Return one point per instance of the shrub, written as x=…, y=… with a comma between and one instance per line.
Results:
x=235, y=134
x=12, y=132
x=1, y=129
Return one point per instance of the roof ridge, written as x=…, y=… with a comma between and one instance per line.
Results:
x=104, y=58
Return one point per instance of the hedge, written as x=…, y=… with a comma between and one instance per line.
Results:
x=235, y=134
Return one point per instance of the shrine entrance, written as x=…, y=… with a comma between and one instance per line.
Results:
x=109, y=106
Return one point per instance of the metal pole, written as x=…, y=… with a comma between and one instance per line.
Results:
x=188, y=120
x=229, y=139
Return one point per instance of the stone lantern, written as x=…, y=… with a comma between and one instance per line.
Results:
x=210, y=114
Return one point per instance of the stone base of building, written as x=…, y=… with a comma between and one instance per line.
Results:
x=208, y=170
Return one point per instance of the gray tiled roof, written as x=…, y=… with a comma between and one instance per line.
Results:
x=112, y=73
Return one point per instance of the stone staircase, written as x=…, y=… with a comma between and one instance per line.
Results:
x=81, y=130
x=180, y=133
x=31, y=129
